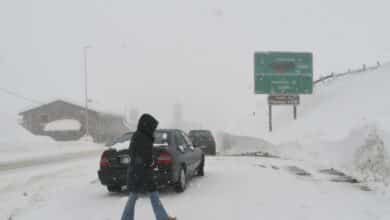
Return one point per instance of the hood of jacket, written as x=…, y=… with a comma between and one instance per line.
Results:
x=147, y=124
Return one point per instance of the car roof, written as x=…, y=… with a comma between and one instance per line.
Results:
x=120, y=139
x=201, y=131
x=157, y=130
x=169, y=130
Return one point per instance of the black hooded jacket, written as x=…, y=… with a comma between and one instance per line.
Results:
x=140, y=151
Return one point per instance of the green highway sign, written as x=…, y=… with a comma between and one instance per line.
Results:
x=283, y=73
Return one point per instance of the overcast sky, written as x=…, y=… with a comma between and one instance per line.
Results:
x=151, y=54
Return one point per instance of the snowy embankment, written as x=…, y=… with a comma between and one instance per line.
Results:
x=18, y=145
x=344, y=124
x=228, y=144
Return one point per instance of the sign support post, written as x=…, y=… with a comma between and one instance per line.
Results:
x=295, y=112
x=270, y=117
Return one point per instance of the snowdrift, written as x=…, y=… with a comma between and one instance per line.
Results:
x=12, y=132
x=344, y=124
x=228, y=144
x=18, y=144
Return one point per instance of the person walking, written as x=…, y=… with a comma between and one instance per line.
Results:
x=140, y=179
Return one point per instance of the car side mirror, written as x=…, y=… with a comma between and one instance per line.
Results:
x=181, y=148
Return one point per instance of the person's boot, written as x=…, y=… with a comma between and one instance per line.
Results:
x=171, y=218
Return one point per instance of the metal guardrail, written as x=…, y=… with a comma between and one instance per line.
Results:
x=349, y=72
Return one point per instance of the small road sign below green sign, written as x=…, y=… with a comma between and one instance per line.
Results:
x=283, y=99
x=283, y=73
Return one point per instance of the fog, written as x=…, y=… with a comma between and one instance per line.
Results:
x=150, y=55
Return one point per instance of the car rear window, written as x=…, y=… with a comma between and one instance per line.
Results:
x=161, y=138
x=200, y=134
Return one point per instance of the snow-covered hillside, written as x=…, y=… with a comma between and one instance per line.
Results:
x=345, y=123
x=338, y=106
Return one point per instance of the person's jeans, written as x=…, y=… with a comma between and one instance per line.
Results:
x=158, y=208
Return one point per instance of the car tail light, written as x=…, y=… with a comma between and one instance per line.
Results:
x=164, y=159
x=104, y=162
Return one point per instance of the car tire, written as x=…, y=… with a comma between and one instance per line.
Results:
x=182, y=181
x=200, y=169
x=114, y=189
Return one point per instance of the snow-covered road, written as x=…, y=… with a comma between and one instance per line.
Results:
x=233, y=188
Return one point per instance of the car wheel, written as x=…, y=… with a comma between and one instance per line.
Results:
x=114, y=189
x=200, y=170
x=182, y=182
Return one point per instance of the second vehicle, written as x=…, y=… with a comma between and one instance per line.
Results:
x=205, y=140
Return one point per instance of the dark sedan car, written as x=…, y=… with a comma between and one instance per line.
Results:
x=175, y=160
x=205, y=140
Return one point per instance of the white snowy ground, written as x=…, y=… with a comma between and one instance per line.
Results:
x=233, y=188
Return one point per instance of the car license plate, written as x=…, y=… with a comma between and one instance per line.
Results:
x=125, y=160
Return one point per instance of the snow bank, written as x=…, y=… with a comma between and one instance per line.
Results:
x=371, y=161
x=362, y=154
x=63, y=125
x=344, y=124
x=13, y=132
x=336, y=108
x=17, y=143
x=236, y=144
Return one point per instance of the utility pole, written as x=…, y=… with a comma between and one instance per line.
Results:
x=86, y=88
